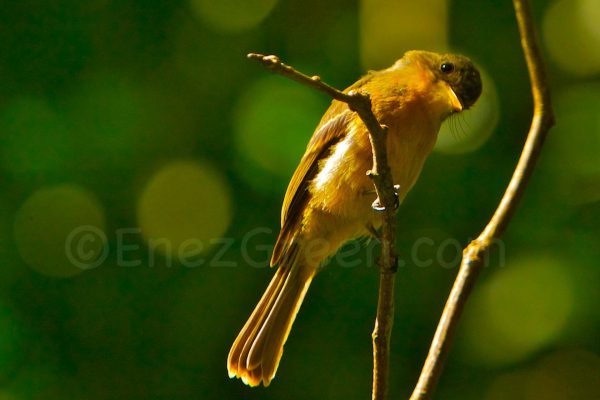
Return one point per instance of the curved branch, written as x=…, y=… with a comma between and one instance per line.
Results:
x=542, y=121
x=381, y=175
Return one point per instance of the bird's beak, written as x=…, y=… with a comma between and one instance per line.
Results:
x=454, y=101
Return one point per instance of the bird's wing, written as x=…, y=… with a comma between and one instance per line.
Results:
x=330, y=131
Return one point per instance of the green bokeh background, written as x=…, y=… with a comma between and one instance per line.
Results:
x=144, y=120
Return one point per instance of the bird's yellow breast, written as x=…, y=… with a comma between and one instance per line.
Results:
x=342, y=193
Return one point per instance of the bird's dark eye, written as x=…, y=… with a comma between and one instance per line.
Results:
x=447, y=67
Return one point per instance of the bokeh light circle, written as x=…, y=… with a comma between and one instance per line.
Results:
x=46, y=220
x=388, y=28
x=185, y=206
x=469, y=130
x=232, y=15
x=589, y=12
x=522, y=309
x=571, y=32
x=273, y=122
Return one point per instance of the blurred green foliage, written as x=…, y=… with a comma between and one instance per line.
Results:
x=142, y=120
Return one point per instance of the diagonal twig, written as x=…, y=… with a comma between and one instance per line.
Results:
x=542, y=121
x=381, y=176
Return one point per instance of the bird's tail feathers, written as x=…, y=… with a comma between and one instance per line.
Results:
x=255, y=354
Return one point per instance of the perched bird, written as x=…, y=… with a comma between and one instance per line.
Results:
x=328, y=200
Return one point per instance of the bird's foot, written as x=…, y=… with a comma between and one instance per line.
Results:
x=377, y=206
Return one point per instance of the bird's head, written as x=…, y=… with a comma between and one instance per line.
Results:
x=457, y=71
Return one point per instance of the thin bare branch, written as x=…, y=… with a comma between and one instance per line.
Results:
x=542, y=121
x=381, y=176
